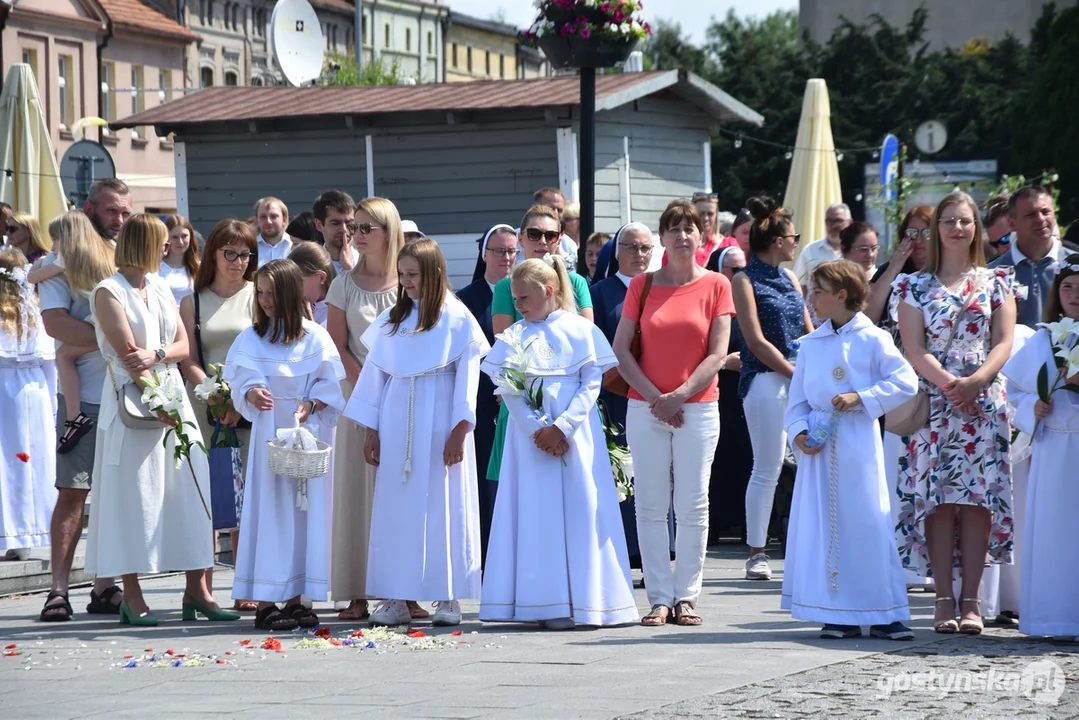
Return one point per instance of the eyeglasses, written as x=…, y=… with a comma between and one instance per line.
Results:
x=1005, y=240
x=867, y=249
x=835, y=221
x=797, y=237
x=952, y=222
x=365, y=228
x=547, y=236
x=914, y=233
x=636, y=249
x=503, y=252
x=233, y=256
x=350, y=227
x=13, y=228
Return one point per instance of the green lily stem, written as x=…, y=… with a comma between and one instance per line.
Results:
x=195, y=480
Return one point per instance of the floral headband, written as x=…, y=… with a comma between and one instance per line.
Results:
x=1061, y=267
x=16, y=275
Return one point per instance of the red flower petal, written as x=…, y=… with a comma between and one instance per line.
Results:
x=23, y=456
x=244, y=642
x=357, y=633
x=12, y=646
x=417, y=634
x=323, y=632
x=458, y=632
x=10, y=653
x=222, y=662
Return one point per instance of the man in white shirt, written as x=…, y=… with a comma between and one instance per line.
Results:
x=335, y=218
x=554, y=198
x=827, y=248
x=274, y=243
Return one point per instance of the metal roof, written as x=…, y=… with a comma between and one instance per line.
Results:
x=246, y=104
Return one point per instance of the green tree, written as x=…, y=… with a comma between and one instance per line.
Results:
x=762, y=64
x=667, y=49
x=1045, y=133
x=372, y=73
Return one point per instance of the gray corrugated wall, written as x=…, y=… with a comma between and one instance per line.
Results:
x=227, y=173
x=666, y=160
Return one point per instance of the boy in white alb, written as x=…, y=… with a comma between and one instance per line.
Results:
x=842, y=566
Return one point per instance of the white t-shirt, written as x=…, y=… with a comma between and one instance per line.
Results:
x=179, y=281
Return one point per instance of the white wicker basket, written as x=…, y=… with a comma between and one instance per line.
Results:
x=299, y=464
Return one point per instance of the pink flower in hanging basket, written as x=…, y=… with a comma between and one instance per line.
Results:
x=619, y=16
x=586, y=32
x=605, y=7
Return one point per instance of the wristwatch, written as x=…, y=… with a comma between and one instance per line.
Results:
x=161, y=355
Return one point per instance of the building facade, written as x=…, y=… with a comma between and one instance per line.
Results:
x=478, y=49
x=952, y=23
x=237, y=49
x=89, y=57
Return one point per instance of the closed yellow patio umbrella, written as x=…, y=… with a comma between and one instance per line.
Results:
x=29, y=177
x=813, y=184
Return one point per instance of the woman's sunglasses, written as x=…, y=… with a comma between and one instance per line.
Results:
x=547, y=236
x=13, y=229
x=362, y=228
x=914, y=233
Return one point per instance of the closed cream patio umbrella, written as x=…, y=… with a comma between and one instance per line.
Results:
x=29, y=177
x=813, y=184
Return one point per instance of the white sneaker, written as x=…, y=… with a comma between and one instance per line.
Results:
x=447, y=613
x=757, y=567
x=17, y=554
x=391, y=613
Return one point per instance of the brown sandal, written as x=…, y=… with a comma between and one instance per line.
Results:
x=659, y=615
x=684, y=614
x=353, y=611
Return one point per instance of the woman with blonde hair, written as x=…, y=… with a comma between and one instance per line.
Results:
x=957, y=319
x=24, y=234
x=148, y=514
x=86, y=259
x=181, y=262
x=354, y=300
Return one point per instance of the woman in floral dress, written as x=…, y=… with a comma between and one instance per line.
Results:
x=960, y=460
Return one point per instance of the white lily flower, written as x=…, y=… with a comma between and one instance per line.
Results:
x=173, y=405
x=1071, y=359
x=207, y=389
x=1061, y=329
x=512, y=336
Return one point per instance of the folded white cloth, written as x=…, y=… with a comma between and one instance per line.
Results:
x=297, y=438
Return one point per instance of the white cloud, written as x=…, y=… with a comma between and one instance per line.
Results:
x=693, y=15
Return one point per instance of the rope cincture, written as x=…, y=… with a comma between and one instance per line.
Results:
x=410, y=421
x=833, y=501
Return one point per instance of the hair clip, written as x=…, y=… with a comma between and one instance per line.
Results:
x=549, y=259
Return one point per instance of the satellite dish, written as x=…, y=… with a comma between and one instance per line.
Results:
x=297, y=41
x=84, y=162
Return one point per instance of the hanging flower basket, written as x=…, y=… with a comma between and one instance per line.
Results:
x=587, y=33
x=578, y=52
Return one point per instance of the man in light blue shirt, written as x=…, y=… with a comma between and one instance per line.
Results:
x=1034, y=252
x=274, y=243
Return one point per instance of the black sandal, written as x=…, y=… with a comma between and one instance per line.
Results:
x=304, y=617
x=76, y=428
x=57, y=612
x=101, y=605
x=271, y=618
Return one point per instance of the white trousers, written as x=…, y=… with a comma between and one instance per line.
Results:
x=765, y=406
x=690, y=450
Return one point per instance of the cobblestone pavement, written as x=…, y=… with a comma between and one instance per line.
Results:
x=1001, y=674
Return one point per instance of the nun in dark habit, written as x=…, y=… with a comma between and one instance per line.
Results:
x=630, y=255
x=733, y=462
x=497, y=256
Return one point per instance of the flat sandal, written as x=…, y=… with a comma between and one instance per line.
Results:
x=654, y=618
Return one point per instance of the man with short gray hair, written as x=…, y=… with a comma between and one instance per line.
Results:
x=108, y=205
x=827, y=248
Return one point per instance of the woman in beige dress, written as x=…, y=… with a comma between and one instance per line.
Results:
x=354, y=300
x=226, y=299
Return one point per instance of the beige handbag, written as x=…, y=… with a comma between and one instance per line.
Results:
x=913, y=415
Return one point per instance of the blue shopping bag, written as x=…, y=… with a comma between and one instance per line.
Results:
x=226, y=480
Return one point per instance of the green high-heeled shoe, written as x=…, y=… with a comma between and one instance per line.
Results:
x=192, y=607
x=129, y=618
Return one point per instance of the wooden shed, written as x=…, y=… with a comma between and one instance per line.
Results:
x=455, y=158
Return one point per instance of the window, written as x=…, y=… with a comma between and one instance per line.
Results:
x=468, y=52
x=207, y=77
x=235, y=16
x=408, y=39
x=210, y=12
x=202, y=12
x=29, y=57
x=430, y=43
x=456, y=63
x=136, y=96
x=108, y=97
x=164, y=84
x=502, y=66
x=487, y=60
x=232, y=78
x=67, y=91
x=387, y=43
